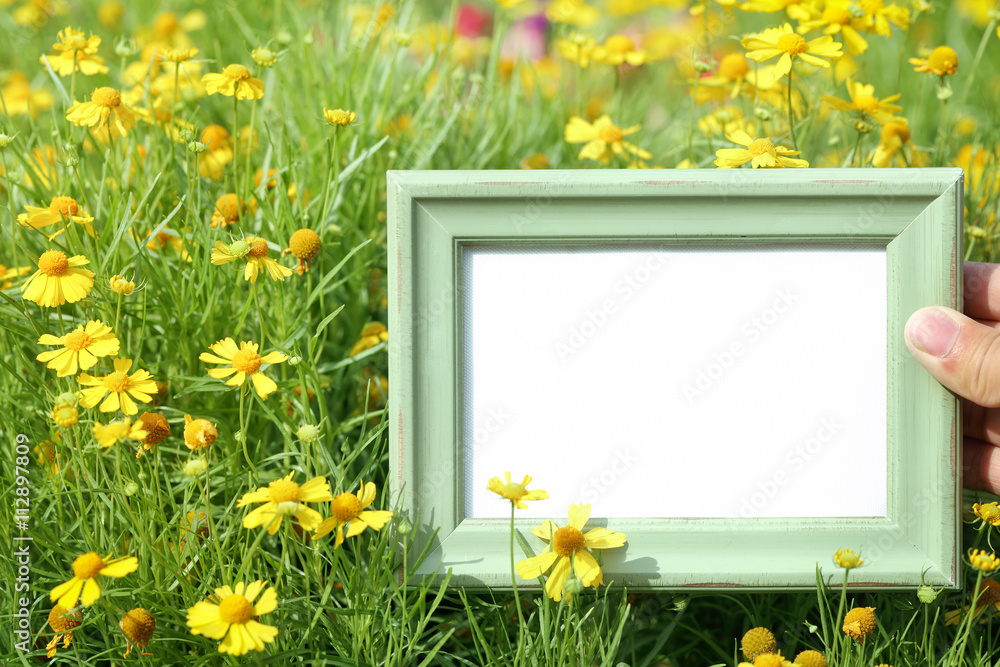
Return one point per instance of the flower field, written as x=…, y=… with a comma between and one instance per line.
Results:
x=193, y=296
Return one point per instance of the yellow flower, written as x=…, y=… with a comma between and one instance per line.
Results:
x=199, y=433
x=176, y=56
x=76, y=53
x=848, y=559
x=942, y=62
x=758, y=641
x=989, y=513
x=157, y=429
x=572, y=12
x=118, y=431
x=835, y=18
x=733, y=69
x=786, y=43
x=618, y=50
x=603, y=139
x=58, y=280
x=6, y=275
x=304, y=245
x=876, y=17
x=80, y=348
x=60, y=209
x=371, y=335
x=235, y=80
x=62, y=622
x=244, y=361
x=859, y=623
x=795, y=9
x=138, y=626
x=534, y=161
x=254, y=250
x=863, y=100
x=65, y=415
x=104, y=110
x=983, y=561
x=568, y=547
x=121, y=286
x=220, y=153
x=810, y=658
x=86, y=568
x=338, y=116
x=228, y=209
x=758, y=152
x=578, y=48
x=348, y=509
x=282, y=498
x=989, y=595
x=514, y=492
x=894, y=136
x=118, y=386
x=232, y=617
x=21, y=99
x=509, y=4
x=767, y=660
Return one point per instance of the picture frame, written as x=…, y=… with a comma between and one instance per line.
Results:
x=903, y=225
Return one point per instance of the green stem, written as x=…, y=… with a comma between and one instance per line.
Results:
x=975, y=61
x=236, y=146
x=517, y=597
x=791, y=116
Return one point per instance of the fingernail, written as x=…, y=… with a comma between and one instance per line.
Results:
x=932, y=331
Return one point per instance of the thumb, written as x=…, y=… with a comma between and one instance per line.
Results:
x=958, y=351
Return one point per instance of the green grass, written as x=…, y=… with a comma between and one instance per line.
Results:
x=349, y=606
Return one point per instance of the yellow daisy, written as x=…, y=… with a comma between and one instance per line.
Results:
x=942, y=61
x=116, y=431
x=578, y=48
x=620, y=50
x=76, y=53
x=282, y=498
x=86, y=568
x=104, y=111
x=984, y=561
x=836, y=18
x=372, y=334
x=7, y=275
x=254, y=250
x=786, y=43
x=138, y=626
x=235, y=80
x=228, y=208
x=894, y=137
x=62, y=623
x=80, y=348
x=989, y=596
x=758, y=152
x=989, y=513
x=65, y=415
x=243, y=361
x=603, y=139
x=118, y=386
x=863, y=99
x=60, y=209
x=58, y=280
x=514, y=492
x=568, y=547
x=348, y=509
x=338, y=116
x=848, y=559
x=231, y=619
x=572, y=12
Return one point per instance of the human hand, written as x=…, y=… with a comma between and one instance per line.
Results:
x=963, y=353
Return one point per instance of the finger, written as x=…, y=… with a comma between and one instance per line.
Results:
x=959, y=352
x=982, y=290
x=981, y=423
x=980, y=466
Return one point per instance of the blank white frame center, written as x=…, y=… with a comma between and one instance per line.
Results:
x=704, y=382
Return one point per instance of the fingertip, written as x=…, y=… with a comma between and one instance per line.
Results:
x=933, y=330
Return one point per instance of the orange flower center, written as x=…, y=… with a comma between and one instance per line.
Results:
x=258, y=247
x=304, y=244
x=62, y=623
x=53, y=263
x=77, y=340
x=733, y=66
x=761, y=146
x=283, y=491
x=235, y=610
x=138, y=625
x=610, y=134
x=866, y=103
x=246, y=361
x=117, y=382
x=65, y=205
x=943, y=60
x=106, y=97
x=792, y=44
x=236, y=72
x=567, y=540
x=87, y=566
x=345, y=507
x=619, y=44
x=892, y=131
x=166, y=23
x=214, y=136
x=229, y=206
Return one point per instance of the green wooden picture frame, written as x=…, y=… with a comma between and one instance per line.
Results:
x=914, y=214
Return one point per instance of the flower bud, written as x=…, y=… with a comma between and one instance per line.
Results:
x=284, y=37
x=702, y=66
x=5, y=139
x=195, y=467
x=927, y=594
x=404, y=39
x=307, y=433
x=862, y=127
x=131, y=488
x=944, y=92
x=762, y=113
x=294, y=360
x=196, y=147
